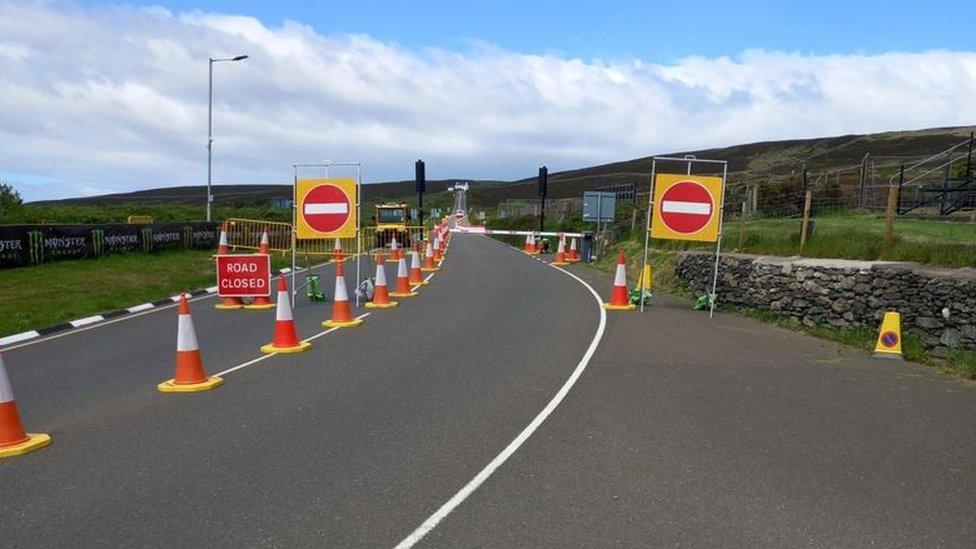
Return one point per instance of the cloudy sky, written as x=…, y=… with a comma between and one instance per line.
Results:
x=98, y=98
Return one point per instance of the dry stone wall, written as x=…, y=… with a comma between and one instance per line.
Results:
x=938, y=305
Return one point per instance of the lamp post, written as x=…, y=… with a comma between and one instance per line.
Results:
x=211, y=62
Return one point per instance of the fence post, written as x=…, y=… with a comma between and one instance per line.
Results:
x=890, y=211
x=806, y=219
x=755, y=199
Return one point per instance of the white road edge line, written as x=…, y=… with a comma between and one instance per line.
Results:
x=269, y=355
x=513, y=446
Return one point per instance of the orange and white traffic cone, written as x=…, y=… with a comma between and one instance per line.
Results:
x=619, y=300
x=222, y=247
x=190, y=376
x=337, y=255
x=539, y=245
x=381, y=293
x=226, y=303
x=402, y=288
x=285, y=336
x=443, y=240
x=341, y=309
x=262, y=302
x=428, y=266
x=14, y=440
x=529, y=245
x=394, y=251
x=416, y=277
x=561, y=253
x=573, y=252
x=438, y=257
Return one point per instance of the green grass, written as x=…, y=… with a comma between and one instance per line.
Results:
x=51, y=293
x=851, y=236
x=117, y=213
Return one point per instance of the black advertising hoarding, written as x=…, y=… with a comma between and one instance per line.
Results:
x=22, y=245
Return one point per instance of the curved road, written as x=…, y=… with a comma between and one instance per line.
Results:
x=681, y=431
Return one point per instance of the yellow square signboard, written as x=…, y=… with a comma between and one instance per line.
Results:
x=686, y=207
x=326, y=208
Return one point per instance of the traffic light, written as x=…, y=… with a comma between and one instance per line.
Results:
x=543, y=180
x=420, y=177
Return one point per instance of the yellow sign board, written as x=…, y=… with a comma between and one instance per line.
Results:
x=687, y=207
x=326, y=208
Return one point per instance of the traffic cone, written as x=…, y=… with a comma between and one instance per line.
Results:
x=561, y=253
x=14, y=440
x=394, y=253
x=341, y=310
x=529, y=245
x=443, y=240
x=438, y=257
x=337, y=255
x=416, y=278
x=573, y=252
x=226, y=303
x=429, y=266
x=222, y=247
x=619, y=300
x=262, y=302
x=190, y=376
x=381, y=294
x=889, y=338
x=285, y=336
x=538, y=245
x=402, y=281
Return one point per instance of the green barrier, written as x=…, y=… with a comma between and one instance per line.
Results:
x=313, y=287
x=704, y=302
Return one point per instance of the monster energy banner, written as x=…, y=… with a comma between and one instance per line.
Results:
x=22, y=245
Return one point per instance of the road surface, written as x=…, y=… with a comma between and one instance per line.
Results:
x=678, y=431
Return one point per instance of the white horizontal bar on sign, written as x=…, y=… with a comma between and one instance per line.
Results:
x=675, y=206
x=333, y=208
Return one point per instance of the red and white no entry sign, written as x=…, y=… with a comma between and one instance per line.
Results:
x=686, y=207
x=326, y=208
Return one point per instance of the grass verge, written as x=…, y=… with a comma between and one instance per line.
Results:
x=51, y=293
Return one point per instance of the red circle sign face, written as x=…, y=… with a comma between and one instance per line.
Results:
x=326, y=208
x=686, y=207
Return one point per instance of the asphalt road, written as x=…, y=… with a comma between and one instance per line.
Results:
x=681, y=431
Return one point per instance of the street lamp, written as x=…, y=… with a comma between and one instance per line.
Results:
x=211, y=61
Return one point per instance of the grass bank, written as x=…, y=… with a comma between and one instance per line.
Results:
x=51, y=293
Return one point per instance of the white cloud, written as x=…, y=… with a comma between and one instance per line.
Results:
x=115, y=99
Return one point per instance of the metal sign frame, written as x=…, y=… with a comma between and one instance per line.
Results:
x=690, y=160
x=327, y=165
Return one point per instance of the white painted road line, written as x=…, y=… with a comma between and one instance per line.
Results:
x=513, y=446
x=267, y=356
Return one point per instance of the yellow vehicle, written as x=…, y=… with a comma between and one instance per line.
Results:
x=392, y=219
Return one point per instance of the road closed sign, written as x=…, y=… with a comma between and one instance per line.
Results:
x=244, y=275
x=326, y=208
x=687, y=207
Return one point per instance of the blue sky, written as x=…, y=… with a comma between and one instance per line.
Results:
x=101, y=97
x=652, y=31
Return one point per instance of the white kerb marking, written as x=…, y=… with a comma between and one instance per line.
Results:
x=675, y=206
x=137, y=308
x=86, y=321
x=22, y=336
x=513, y=446
x=331, y=208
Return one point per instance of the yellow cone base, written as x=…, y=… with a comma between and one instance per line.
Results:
x=347, y=324
x=171, y=387
x=398, y=294
x=887, y=355
x=389, y=305
x=429, y=270
x=223, y=307
x=270, y=348
x=34, y=442
x=627, y=307
x=260, y=307
x=559, y=263
x=421, y=283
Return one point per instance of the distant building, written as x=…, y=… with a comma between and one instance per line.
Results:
x=281, y=203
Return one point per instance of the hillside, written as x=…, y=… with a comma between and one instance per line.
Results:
x=752, y=161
